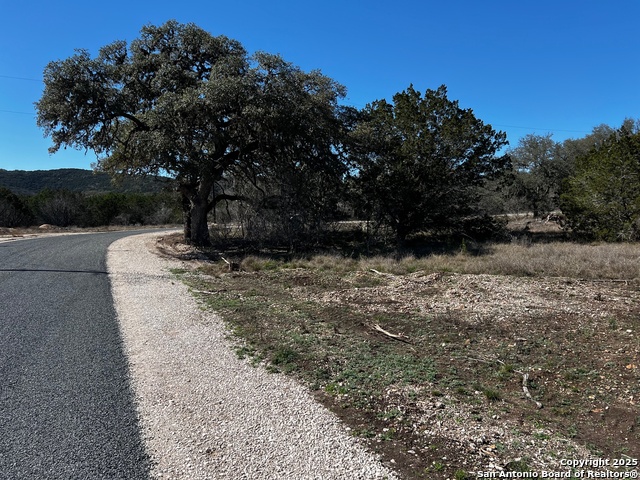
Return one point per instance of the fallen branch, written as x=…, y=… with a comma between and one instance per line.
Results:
x=233, y=266
x=400, y=338
x=525, y=378
x=209, y=292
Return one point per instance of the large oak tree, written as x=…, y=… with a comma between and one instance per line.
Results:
x=181, y=102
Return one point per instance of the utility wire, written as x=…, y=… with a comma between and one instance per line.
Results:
x=17, y=113
x=21, y=78
x=538, y=128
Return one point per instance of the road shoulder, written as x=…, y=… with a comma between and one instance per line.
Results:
x=205, y=413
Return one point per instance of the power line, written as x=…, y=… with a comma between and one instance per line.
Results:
x=538, y=128
x=21, y=78
x=17, y=113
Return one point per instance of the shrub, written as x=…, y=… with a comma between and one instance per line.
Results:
x=13, y=211
x=602, y=199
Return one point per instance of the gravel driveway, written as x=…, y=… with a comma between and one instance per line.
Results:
x=205, y=413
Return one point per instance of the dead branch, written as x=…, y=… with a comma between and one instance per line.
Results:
x=525, y=378
x=209, y=292
x=400, y=338
x=490, y=361
x=233, y=266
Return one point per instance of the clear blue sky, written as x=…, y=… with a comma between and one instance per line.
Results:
x=560, y=67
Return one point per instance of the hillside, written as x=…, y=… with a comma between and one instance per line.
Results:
x=24, y=182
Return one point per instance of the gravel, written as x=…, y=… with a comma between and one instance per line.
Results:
x=205, y=413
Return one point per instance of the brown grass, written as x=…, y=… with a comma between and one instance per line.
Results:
x=560, y=259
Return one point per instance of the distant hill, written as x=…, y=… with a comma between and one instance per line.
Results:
x=24, y=182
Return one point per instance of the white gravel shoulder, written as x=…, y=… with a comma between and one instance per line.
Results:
x=205, y=413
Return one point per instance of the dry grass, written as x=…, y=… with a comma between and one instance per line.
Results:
x=559, y=259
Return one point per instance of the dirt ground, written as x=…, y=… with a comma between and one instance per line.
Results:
x=523, y=371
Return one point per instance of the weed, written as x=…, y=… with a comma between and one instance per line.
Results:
x=390, y=414
x=462, y=391
x=462, y=475
x=244, y=352
x=387, y=434
x=363, y=433
x=492, y=395
x=505, y=371
x=335, y=389
x=520, y=465
x=284, y=356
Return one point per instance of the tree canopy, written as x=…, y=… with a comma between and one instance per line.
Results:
x=540, y=167
x=602, y=199
x=420, y=159
x=179, y=101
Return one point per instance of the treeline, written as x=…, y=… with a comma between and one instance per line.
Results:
x=589, y=185
x=269, y=148
x=593, y=181
x=64, y=208
x=24, y=182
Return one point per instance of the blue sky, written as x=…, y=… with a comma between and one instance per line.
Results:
x=560, y=67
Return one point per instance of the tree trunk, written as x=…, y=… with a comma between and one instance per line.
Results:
x=401, y=239
x=199, y=207
x=199, y=226
x=196, y=205
x=186, y=217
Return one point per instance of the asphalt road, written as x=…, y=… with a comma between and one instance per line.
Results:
x=66, y=405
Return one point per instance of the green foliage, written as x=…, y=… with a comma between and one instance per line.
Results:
x=540, y=167
x=65, y=208
x=23, y=182
x=180, y=101
x=14, y=212
x=420, y=160
x=62, y=208
x=602, y=199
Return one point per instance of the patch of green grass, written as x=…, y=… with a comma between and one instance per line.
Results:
x=285, y=358
x=226, y=303
x=335, y=389
x=390, y=414
x=492, y=395
x=517, y=466
x=388, y=434
x=505, y=371
x=363, y=433
x=462, y=475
